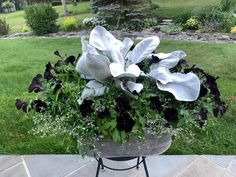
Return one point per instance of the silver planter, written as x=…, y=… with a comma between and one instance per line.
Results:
x=152, y=145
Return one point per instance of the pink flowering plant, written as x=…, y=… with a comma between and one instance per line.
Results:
x=117, y=90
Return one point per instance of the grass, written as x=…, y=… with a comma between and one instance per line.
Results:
x=17, y=22
x=21, y=59
x=171, y=8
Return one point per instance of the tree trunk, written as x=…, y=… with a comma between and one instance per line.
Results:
x=64, y=7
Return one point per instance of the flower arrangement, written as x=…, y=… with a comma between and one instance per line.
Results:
x=119, y=91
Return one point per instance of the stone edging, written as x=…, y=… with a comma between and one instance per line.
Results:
x=185, y=36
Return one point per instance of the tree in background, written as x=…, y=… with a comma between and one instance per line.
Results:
x=128, y=12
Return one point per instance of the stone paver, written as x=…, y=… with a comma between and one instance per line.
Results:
x=158, y=166
x=53, y=165
x=232, y=167
x=8, y=161
x=203, y=167
x=16, y=171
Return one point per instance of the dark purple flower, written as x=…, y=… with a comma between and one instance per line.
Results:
x=156, y=104
x=220, y=110
x=103, y=113
x=57, y=87
x=154, y=59
x=36, y=84
x=125, y=122
x=57, y=53
x=122, y=105
x=22, y=105
x=171, y=114
x=203, y=91
x=86, y=107
x=47, y=73
x=132, y=47
x=39, y=105
x=203, y=113
x=70, y=59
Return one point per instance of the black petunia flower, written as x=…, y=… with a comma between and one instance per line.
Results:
x=156, y=104
x=39, y=106
x=154, y=59
x=70, y=60
x=103, y=113
x=86, y=107
x=171, y=115
x=125, y=122
x=203, y=91
x=36, y=84
x=57, y=87
x=203, y=113
x=22, y=105
x=57, y=53
x=122, y=105
x=47, y=73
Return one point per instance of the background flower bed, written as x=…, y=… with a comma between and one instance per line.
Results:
x=16, y=73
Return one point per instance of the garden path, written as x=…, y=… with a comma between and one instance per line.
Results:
x=75, y=166
x=154, y=31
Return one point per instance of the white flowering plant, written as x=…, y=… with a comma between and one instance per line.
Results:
x=118, y=90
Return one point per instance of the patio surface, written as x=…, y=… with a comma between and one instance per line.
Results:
x=158, y=166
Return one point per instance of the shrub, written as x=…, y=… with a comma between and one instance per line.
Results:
x=7, y=5
x=134, y=24
x=172, y=28
x=94, y=21
x=56, y=3
x=233, y=30
x=41, y=18
x=24, y=29
x=192, y=24
x=70, y=24
x=4, y=27
x=182, y=18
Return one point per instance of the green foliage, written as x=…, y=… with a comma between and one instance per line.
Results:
x=70, y=24
x=172, y=28
x=182, y=17
x=227, y=5
x=41, y=18
x=191, y=24
x=213, y=19
x=7, y=5
x=134, y=24
x=4, y=27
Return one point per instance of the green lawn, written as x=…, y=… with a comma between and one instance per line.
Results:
x=22, y=59
x=17, y=22
x=171, y=8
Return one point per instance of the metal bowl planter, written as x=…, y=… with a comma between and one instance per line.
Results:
x=150, y=146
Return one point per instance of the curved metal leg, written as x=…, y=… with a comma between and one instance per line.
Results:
x=138, y=163
x=98, y=168
x=145, y=165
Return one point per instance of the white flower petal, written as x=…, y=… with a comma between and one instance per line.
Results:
x=128, y=43
x=120, y=85
x=98, y=66
x=185, y=87
x=143, y=49
x=103, y=40
x=116, y=69
x=114, y=56
x=84, y=44
x=82, y=69
x=132, y=86
x=161, y=74
x=169, y=60
x=93, y=89
x=133, y=69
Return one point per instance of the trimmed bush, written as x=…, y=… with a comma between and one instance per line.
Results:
x=4, y=27
x=70, y=24
x=41, y=18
